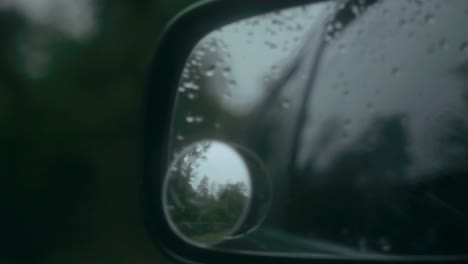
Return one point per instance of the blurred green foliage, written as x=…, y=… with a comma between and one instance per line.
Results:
x=69, y=136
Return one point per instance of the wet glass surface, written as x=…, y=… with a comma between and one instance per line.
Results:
x=357, y=110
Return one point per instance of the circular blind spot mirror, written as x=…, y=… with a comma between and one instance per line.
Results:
x=207, y=192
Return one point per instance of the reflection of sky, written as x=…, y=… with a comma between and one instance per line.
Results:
x=259, y=48
x=222, y=165
x=396, y=75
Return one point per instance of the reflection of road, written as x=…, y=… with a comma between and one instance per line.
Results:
x=215, y=231
x=276, y=241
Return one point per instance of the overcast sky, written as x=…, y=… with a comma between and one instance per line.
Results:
x=223, y=164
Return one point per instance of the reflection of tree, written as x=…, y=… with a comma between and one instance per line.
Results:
x=354, y=186
x=202, y=189
x=182, y=175
x=203, y=213
x=365, y=197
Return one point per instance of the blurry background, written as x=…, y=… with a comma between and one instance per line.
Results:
x=72, y=74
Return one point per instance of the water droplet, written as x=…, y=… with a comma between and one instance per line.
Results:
x=271, y=45
x=181, y=89
x=190, y=119
x=212, y=48
x=329, y=39
x=180, y=137
x=443, y=44
x=191, y=85
x=403, y=22
x=210, y=72
x=217, y=125
x=338, y=25
x=464, y=47
x=385, y=245
x=285, y=104
x=199, y=119
x=200, y=53
x=232, y=83
x=191, y=96
x=395, y=71
x=226, y=71
x=429, y=19
x=276, y=21
x=227, y=95
x=355, y=10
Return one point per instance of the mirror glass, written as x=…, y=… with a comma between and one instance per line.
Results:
x=357, y=114
x=208, y=191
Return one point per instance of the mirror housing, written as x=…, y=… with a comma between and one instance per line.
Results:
x=175, y=47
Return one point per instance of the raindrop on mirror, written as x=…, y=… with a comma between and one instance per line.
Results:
x=210, y=72
x=199, y=119
x=191, y=96
x=190, y=119
x=285, y=104
x=207, y=192
x=395, y=71
x=385, y=244
x=464, y=47
x=429, y=19
x=443, y=44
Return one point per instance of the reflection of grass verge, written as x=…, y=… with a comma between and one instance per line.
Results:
x=208, y=238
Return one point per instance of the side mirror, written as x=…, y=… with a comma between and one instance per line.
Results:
x=297, y=131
